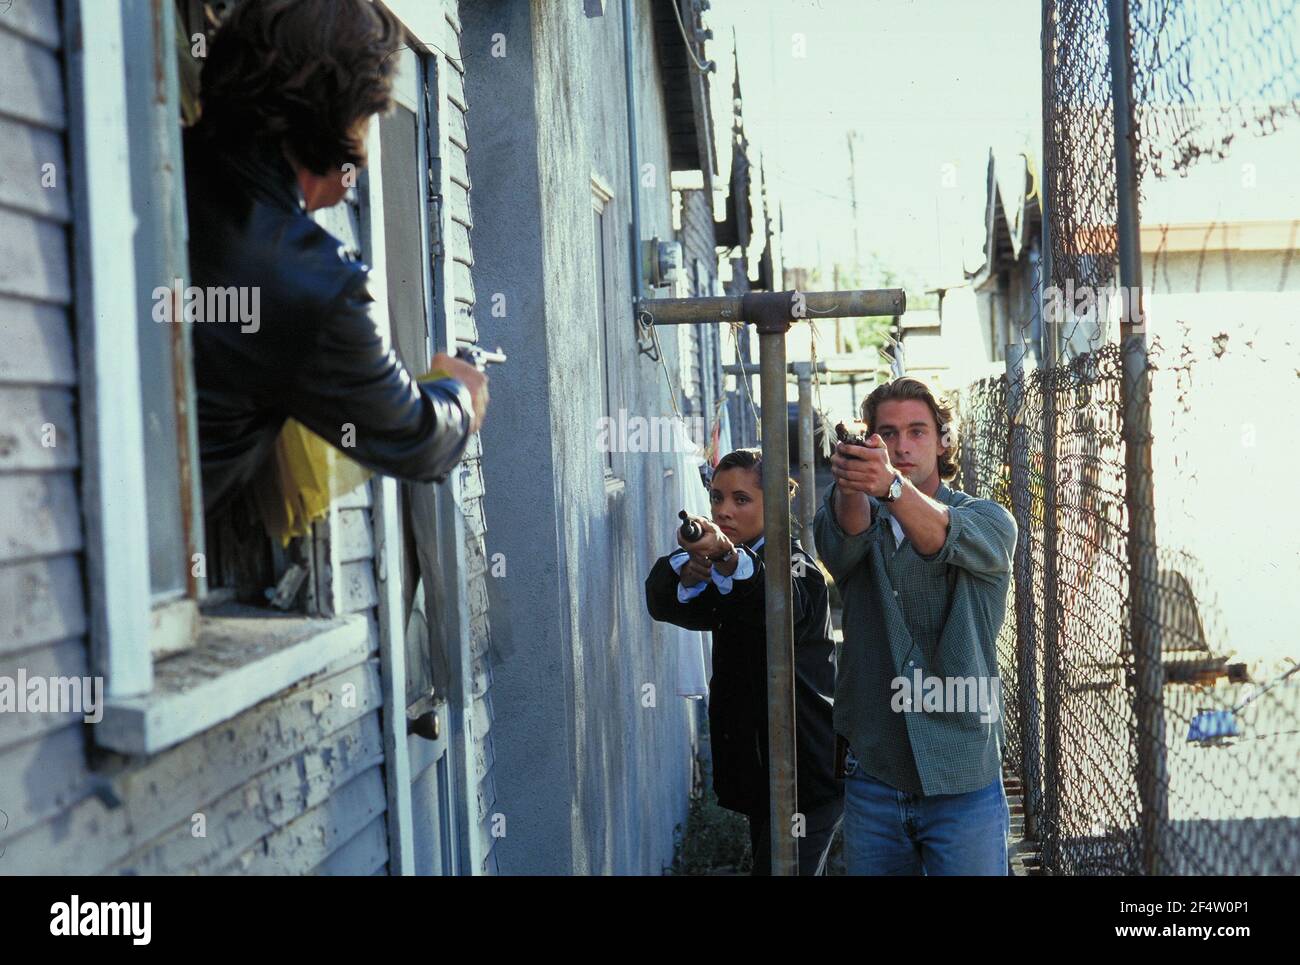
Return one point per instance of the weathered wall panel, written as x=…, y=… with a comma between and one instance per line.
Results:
x=588, y=778
x=460, y=256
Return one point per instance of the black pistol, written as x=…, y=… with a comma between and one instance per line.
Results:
x=852, y=433
x=691, y=530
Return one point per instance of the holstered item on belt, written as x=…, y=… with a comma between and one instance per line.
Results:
x=841, y=756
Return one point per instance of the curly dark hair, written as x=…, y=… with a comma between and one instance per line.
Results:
x=303, y=72
x=941, y=407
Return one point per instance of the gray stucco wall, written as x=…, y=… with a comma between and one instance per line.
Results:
x=588, y=779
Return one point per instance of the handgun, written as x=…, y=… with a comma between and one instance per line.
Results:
x=480, y=357
x=852, y=433
x=475, y=355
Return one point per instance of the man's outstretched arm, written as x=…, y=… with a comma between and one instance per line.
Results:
x=357, y=395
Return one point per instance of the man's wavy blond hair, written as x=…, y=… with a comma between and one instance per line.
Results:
x=941, y=407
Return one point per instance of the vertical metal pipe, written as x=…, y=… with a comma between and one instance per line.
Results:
x=1022, y=570
x=779, y=604
x=633, y=154
x=1031, y=748
x=1048, y=819
x=1148, y=697
x=807, y=482
x=1047, y=183
x=1126, y=188
x=1049, y=823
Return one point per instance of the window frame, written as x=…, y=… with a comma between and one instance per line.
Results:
x=153, y=112
x=107, y=332
x=144, y=714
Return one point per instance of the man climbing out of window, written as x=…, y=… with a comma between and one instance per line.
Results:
x=288, y=91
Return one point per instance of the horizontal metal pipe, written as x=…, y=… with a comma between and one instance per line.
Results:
x=794, y=305
x=736, y=368
x=823, y=368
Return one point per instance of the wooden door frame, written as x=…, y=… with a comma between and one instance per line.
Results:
x=427, y=24
x=388, y=556
x=468, y=856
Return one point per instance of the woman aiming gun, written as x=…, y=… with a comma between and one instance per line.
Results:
x=715, y=581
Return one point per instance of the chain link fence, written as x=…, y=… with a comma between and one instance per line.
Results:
x=1208, y=74
x=1152, y=703
x=1228, y=766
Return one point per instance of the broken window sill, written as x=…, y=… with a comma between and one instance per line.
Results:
x=242, y=656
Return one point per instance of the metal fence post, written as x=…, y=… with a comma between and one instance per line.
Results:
x=807, y=480
x=777, y=591
x=1022, y=571
x=1148, y=696
x=1050, y=821
x=1049, y=818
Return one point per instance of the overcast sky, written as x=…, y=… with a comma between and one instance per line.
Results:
x=930, y=85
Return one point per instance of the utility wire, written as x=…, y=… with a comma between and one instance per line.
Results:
x=703, y=68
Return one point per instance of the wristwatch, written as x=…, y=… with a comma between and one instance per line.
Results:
x=895, y=488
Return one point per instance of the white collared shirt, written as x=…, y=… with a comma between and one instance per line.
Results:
x=898, y=530
x=744, y=570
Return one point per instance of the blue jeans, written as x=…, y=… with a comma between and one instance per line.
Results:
x=891, y=832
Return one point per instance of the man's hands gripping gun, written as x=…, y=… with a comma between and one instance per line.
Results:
x=469, y=366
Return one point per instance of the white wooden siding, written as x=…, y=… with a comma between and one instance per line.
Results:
x=459, y=258
x=42, y=606
x=294, y=784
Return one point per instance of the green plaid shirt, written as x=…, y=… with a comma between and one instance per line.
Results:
x=939, y=615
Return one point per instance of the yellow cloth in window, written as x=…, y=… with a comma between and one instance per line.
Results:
x=304, y=475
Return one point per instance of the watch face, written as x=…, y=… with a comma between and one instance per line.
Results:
x=896, y=488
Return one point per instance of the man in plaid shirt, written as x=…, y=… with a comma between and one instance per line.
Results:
x=923, y=571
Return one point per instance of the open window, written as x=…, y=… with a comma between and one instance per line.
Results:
x=193, y=619
x=240, y=563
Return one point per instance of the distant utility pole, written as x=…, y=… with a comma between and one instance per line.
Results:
x=839, y=322
x=857, y=238
x=853, y=204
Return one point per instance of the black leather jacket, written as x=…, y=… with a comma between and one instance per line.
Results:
x=738, y=687
x=314, y=352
